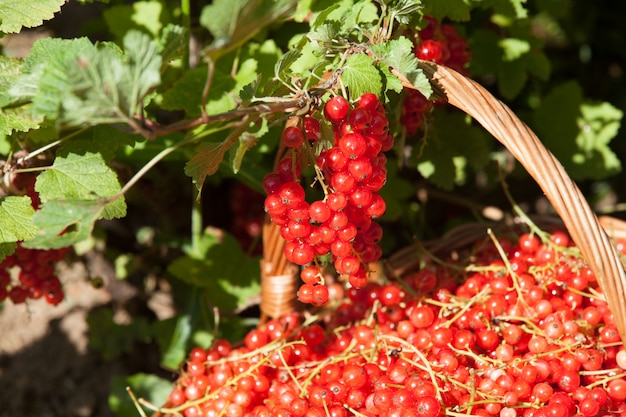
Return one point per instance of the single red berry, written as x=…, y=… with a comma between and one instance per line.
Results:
x=320, y=295
x=336, y=109
x=432, y=50
x=427, y=406
x=292, y=137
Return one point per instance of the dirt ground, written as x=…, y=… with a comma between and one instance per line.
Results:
x=46, y=368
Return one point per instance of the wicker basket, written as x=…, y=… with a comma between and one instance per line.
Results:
x=280, y=279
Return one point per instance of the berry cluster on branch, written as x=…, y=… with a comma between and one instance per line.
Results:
x=31, y=273
x=350, y=172
x=442, y=44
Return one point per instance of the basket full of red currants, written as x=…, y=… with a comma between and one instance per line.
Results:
x=528, y=324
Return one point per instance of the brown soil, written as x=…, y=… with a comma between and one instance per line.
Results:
x=46, y=366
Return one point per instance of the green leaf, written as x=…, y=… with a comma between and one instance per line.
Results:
x=151, y=388
x=282, y=68
x=511, y=79
x=172, y=43
x=16, y=215
x=399, y=55
x=7, y=249
x=232, y=22
x=360, y=14
x=43, y=78
x=361, y=76
x=539, y=65
x=112, y=339
x=80, y=84
x=186, y=93
x=324, y=35
x=486, y=53
x=10, y=70
x=446, y=159
x=176, y=350
x=246, y=142
x=579, y=133
x=15, y=14
x=514, y=48
x=206, y=161
x=62, y=223
x=18, y=120
x=144, y=16
x=80, y=172
x=404, y=10
x=229, y=277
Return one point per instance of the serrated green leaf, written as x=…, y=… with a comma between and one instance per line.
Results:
x=361, y=76
x=18, y=120
x=79, y=173
x=83, y=85
x=62, y=223
x=16, y=219
x=404, y=10
x=142, y=69
x=43, y=78
x=206, y=161
x=399, y=55
x=325, y=34
x=282, y=67
x=209, y=157
x=15, y=14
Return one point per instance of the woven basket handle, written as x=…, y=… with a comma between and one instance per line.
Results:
x=565, y=196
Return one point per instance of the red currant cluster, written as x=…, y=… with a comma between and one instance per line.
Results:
x=350, y=172
x=530, y=337
x=30, y=273
x=442, y=44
